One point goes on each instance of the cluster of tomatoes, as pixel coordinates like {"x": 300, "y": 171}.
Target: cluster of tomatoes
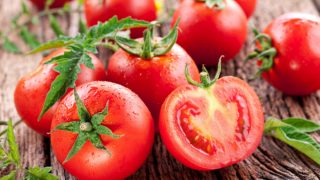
{"x": 205, "y": 124}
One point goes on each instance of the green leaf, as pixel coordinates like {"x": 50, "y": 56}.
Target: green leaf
{"x": 14, "y": 154}
{"x": 4, "y": 161}
{"x": 55, "y": 26}
{"x": 68, "y": 65}
{"x": 58, "y": 43}
{"x": 168, "y": 41}
{"x": 302, "y": 125}
{"x": 82, "y": 26}
{"x": 80, "y": 141}
{"x": 69, "y": 126}
{"x": 295, "y": 138}
{"x": 37, "y": 173}
{"x": 83, "y": 113}
{"x": 29, "y": 38}
{"x": 10, "y": 176}
{"x": 99, "y": 117}
{"x": 10, "y": 46}
{"x": 24, "y": 7}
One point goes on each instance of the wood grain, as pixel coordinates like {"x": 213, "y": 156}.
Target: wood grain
{"x": 272, "y": 160}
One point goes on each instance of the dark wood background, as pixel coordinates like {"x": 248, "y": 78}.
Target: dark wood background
{"x": 272, "y": 160}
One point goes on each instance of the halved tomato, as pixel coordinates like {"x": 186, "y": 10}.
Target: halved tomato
{"x": 212, "y": 125}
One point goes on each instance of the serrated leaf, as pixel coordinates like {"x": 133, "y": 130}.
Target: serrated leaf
{"x": 58, "y": 43}
{"x": 68, "y": 65}
{"x": 14, "y": 154}
{"x": 82, "y": 26}
{"x": 99, "y": 117}
{"x": 295, "y": 138}
{"x": 80, "y": 141}
{"x": 10, "y": 46}
{"x": 55, "y": 26}
{"x": 29, "y": 38}
{"x": 83, "y": 113}
{"x": 10, "y": 176}
{"x": 302, "y": 125}
{"x": 37, "y": 173}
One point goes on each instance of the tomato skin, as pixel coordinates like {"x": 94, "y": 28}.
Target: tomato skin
{"x": 221, "y": 95}
{"x": 127, "y": 115}
{"x": 296, "y": 65}
{"x": 137, "y": 9}
{"x": 153, "y": 80}
{"x": 206, "y": 33}
{"x": 31, "y": 91}
{"x": 40, "y": 4}
{"x": 248, "y": 6}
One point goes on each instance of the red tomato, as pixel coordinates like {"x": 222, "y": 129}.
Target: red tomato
{"x": 211, "y": 128}
{"x": 127, "y": 116}
{"x": 248, "y": 6}
{"x": 296, "y": 38}
{"x": 207, "y": 33}
{"x": 40, "y": 4}
{"x": 102, "y": 10}
{"x": 31, "y": 91}
{"x": 153, "y": 79}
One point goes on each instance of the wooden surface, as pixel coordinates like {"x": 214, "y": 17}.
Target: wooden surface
{"x": 272, "y": 160}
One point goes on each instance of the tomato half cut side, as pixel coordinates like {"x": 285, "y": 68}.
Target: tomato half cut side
{"x": 211, "y": 128}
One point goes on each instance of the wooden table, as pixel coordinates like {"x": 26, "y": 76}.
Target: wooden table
{"x": 272, "y": 160}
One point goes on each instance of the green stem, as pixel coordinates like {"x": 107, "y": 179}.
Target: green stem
{"x": 14, "y": 125}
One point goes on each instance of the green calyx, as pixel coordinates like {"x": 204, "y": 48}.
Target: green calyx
{"x": 88, "y": 128}
{"x": 150, "y": 47}
{"x": 265, "y": 53}
{"x": 217, "y": 4}
{"x": 205, "y": 79}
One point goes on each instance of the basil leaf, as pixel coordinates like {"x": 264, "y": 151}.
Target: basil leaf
{"x": 14, "y": 154}
{"x": 302, "y": 124}
{"x": 294, "y": 137}
{"x": 37, "y": 173}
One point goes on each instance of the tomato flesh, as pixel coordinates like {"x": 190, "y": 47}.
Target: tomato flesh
{"x": 212, "y": 128}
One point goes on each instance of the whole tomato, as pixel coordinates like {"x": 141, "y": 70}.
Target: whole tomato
{"x": 213, "y": 124}
{"x": 288, "y": 55}
{"x": 248, "y": 6}
{"x": 101, "y": 10}
{"x": 207, "y": 33}
{"x": 40, "y": 4}
{"x": 153, "y": 78}
{"x": 31, "y": 91}
{"x": 108, "y": 157}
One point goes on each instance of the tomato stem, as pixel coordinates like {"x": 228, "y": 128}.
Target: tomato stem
{"x": 265, "y": 53}
{"x": 205, "y": 79}
{"x": 149, "y": 48}
{"x": 86, "y": 126}
{"x": 217, "y": 4}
